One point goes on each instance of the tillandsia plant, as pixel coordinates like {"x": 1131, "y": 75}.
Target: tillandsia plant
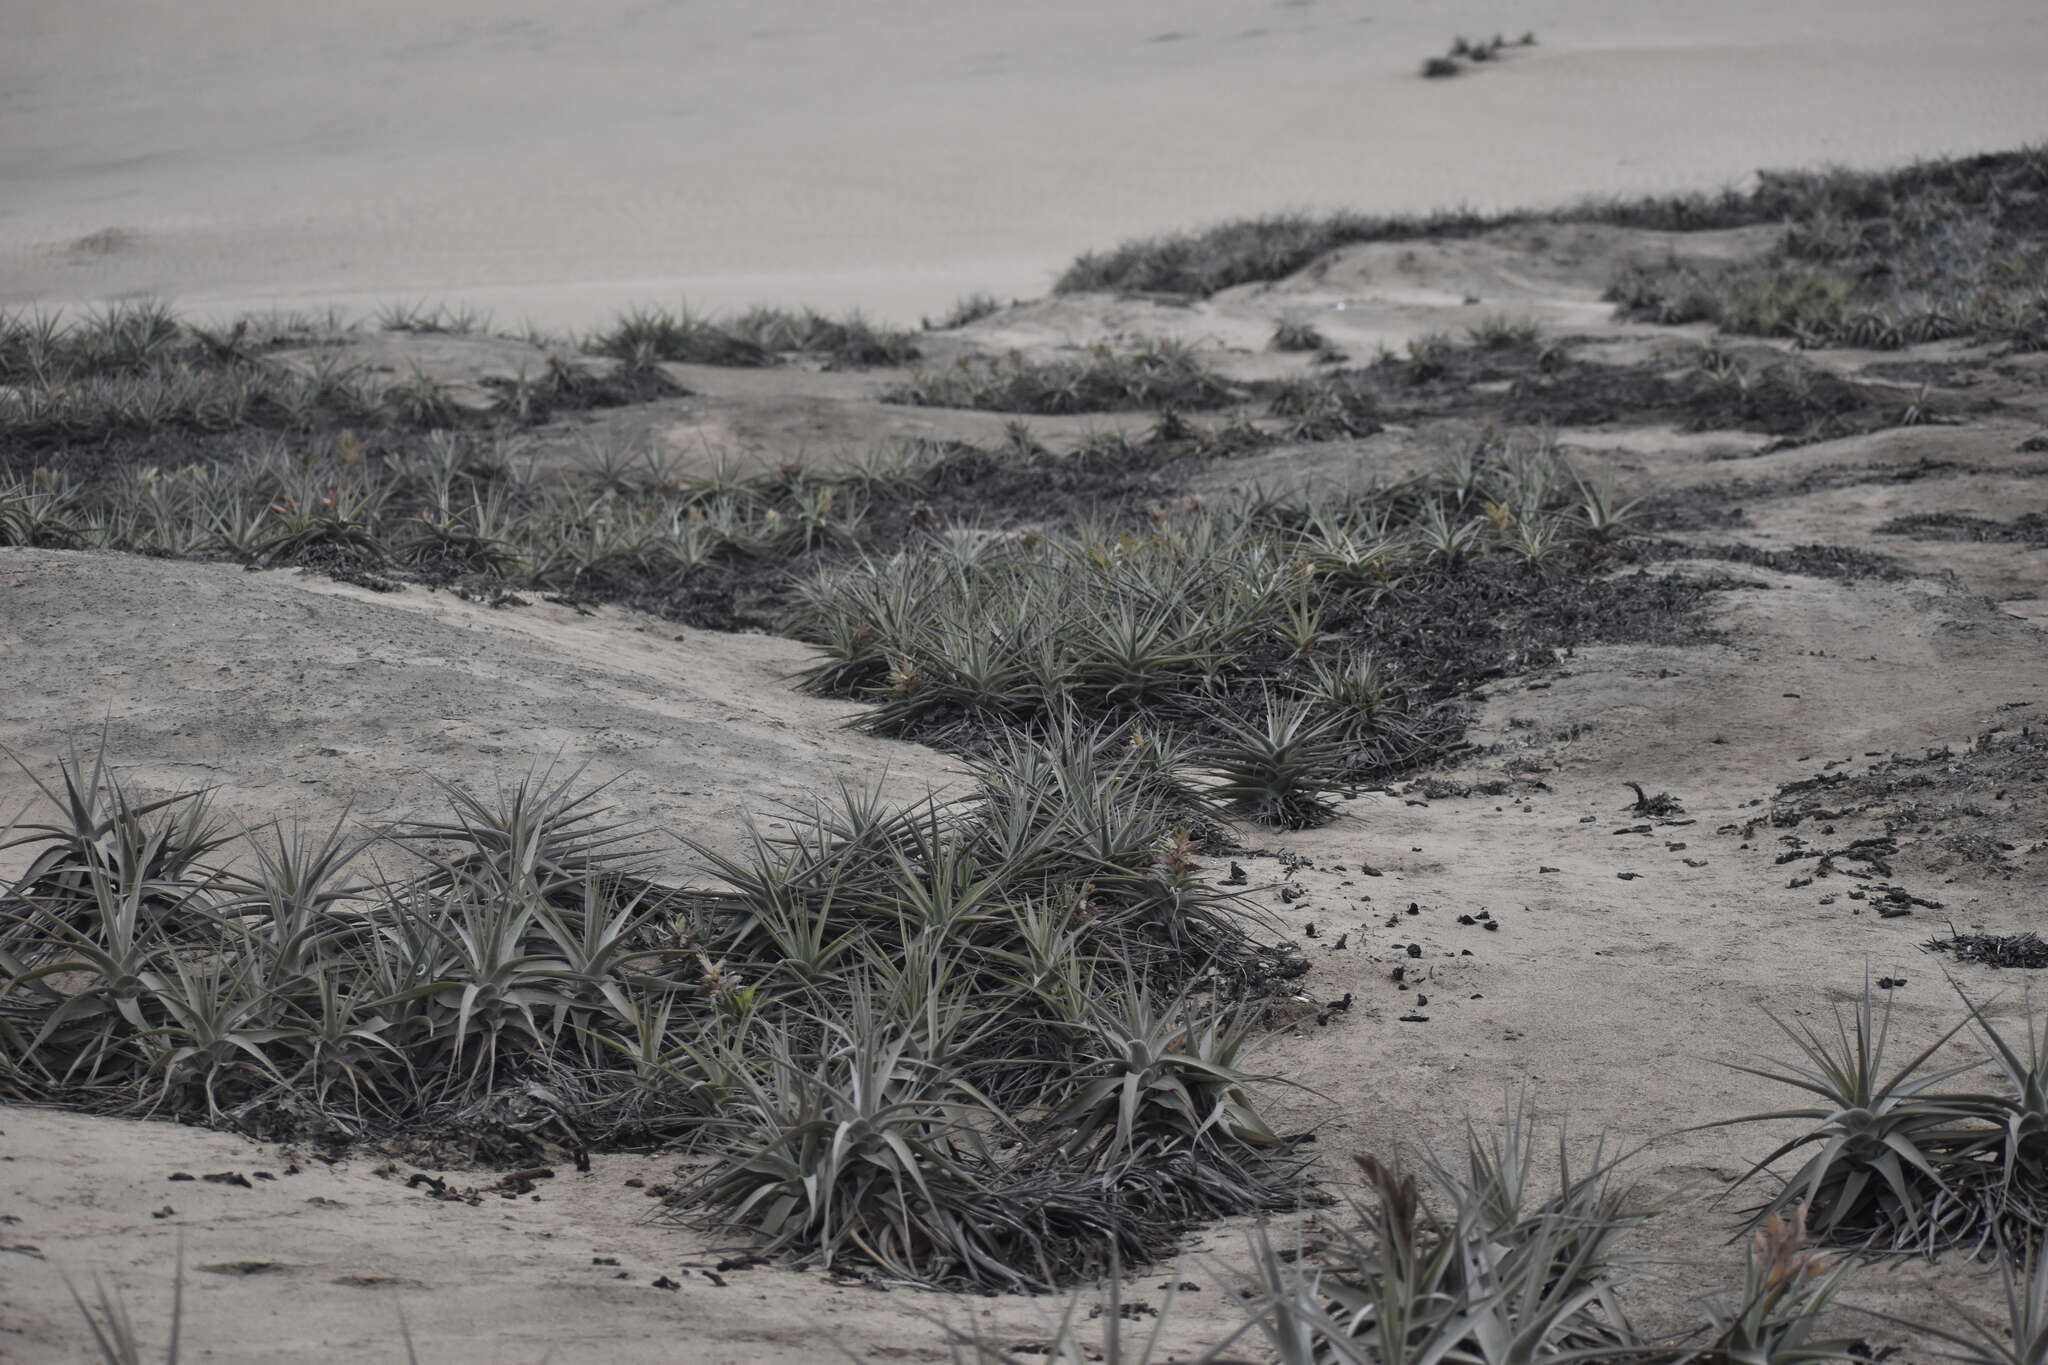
{"x": 541, "y": 832}
{"x": 1280, "y": 767}
{"x": 1505, "y": 1274}
{"x": 1882, "y": 1134}
{"x": 1502, "y": 1275}
{"x": 515, "y": 965}
{"x": 1157, "y": 1072}
{"x": 156, "y": 849}
{"x": 874, "y": 1155}
{"x": 1471, "y": 1263}
{"x": 1902, "y": 1162}
{"x": 1787, "y": 1284}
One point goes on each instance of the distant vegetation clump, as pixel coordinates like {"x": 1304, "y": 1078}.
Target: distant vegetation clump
{"x": 1943, "y": 248}
{"x": 1148, "y": 376}
{"x": 756, "y": 337}
{"x": 1879, "y": 260}
{"x": 1298, "y": 336}
{"x": 1468, "y": 50}
{"x": 966, "y": 310}
{"x": 134, "y": 371}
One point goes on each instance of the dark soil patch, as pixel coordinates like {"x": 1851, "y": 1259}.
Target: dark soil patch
{"x": 2030, "y": 528}
{"x": 1718, "y": 506}
{"x": 1979, "y": 811}
{"x": 1449, "y": 630}
{"x": 1940, "y": 374}
{"x": 1841, "y": 563}
{"x": 2024, "y": 951}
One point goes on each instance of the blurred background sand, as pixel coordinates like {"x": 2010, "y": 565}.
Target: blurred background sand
{"x": 555, "y": 162}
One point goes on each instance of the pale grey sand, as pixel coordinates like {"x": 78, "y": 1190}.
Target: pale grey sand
{"x": 559, "y": 162}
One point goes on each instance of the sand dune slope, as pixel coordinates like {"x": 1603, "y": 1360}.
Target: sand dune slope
{"x": 299, "y": 695}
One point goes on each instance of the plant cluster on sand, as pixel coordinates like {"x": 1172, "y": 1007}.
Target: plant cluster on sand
{"x": 981, "y": 1043}
{"x": 1466, "y": 50}
{"x": 1940, "y": 248}
{"x": 134, "y": 371}
{"x": 1150, "y": 375}
{"x": 1879, "y": 260}
{"x": 1264, "y": 646}
{"x": 1902, "y": 1163}
{"x": 758, "y": 336}
{"x": 449, "y": 510}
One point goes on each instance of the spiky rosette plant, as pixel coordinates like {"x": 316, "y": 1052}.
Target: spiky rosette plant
{"x": 1155, "y": 1071}
{"x": 541, "y": 831}
{"x": 1885, "y": 1143}
{"x": 158, "y": 849}
{"x": 1279, "y": 767}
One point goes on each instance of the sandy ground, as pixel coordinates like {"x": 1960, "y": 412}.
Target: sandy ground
{"x": 1614, "y": 1000}
{"x": 559, "y": 163}
{"x": 298, "y": 696}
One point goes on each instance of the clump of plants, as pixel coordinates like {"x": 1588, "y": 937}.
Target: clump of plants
{"x": 134, "y": 373}
{"x": 967, "y": 310}
{"x": 1877, "y": 260}
{"x": 1898, "y": 1158}
{"x": 1287, "y": 649}
{"x": 1467, "y": 50}
{"x": 1245, "y": 251}
{"x": 1785, "y": 396}
{"x": 848, "y": 342}
{"x": 1472, "y": 1259}
{"x": 1943, "y": 247}
{"x": 1153, "y": 374}
{"x": 440, "y": 319}
{"x": 1501, "y": 333}
{"x": 448, "y": 511}
{"x": 1298, "y": 336}
{"x": 984, "y": 1043}
{"x": 1331, "y": 407}
{"x": 759, "y": 336}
